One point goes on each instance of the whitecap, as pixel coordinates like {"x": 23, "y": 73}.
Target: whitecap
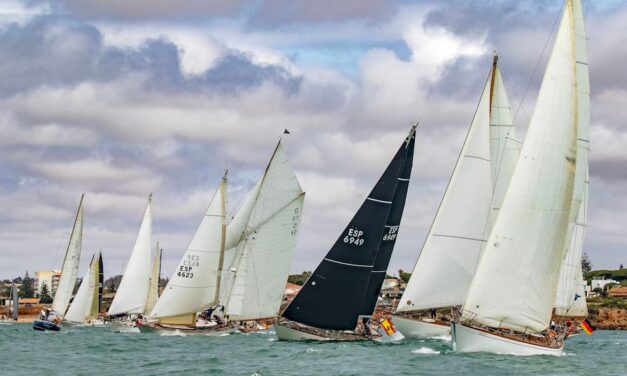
{"x": 446, "y": 338}
{"x": 311, "y": 350}
{"x": 425, "y": 351}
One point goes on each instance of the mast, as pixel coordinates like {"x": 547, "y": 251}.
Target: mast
{"x": 222, "y": 234}
{"x": 390, "y": 234}
{"x": 331, "y": 298}
{"x": 69, "y": 271}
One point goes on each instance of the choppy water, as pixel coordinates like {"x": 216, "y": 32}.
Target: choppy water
{"x": 97, "y": 351}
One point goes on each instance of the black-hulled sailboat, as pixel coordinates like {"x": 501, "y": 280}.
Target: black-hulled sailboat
{"x": 347, "y": 282}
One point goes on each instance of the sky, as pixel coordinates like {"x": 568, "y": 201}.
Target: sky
{"x": 117, "y": 99}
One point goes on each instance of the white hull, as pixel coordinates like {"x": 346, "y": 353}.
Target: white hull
{"x": 467, "y": 339}
{"x": 419, "y": 329}
{"x": 289, "y": 334}
{"x": 123, "y": 327}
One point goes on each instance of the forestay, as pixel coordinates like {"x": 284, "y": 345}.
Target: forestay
{"x": 265, "y": 251}
{"x": 194, "y": 284}
{"x": 516, "y": 280}
{"x": 69, "y": 271}
{"x": 132, "y": 292}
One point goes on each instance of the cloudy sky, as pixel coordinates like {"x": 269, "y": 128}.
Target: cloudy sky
{"x": 120, "y": 98}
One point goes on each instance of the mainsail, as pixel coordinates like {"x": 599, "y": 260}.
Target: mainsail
{"x": 331, "y": 298}
{"x": 153, "y": 287}
{"x": 86, "y": 301}
{"x": 263, "y": 256}
{"x": 69, "y": 271}
{"x": 516, "y": 280}
{"x": 449, "y": 256}
{"x": 390, "y": 234}
{"x": 132, "y": 292}
{"x": 194, "y": 285}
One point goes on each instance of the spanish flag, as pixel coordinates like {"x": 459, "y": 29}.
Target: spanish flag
{"x": 587, "y": 327}
{"x": 388, "y": 327}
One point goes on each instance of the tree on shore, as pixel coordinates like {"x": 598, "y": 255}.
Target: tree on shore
{"x": 298, "y": 279}
{"x": 27, "y": 290}
{"x": 404, "y": 275}
{"x": 45, "y": 294}
{"x": 586, "y": 264}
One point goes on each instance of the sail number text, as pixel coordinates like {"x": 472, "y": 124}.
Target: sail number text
{"x": 390, "y": 234}
{"x": 187, "y": 265}
{"x": 354, "y": 237}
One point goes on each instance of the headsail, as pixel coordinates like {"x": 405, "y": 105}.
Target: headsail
{"x": 194, "y": 285}
{"x": 331, "y": 298}
{"x": 155, "y": 275}
{"x": 81, "y": 307}
{"x": 133, "y": 289}
{"x": 449, "y": 256}
{"x": 264, "y": 253}
{"x": 515, "y": 283}
{"x": 69, "y": 271}
{"x": 392, "y": 226}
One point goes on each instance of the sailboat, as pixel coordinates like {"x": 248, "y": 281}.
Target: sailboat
{"x": 14, "y": 300}
{"x": 85, "y": 308}
{"x": 472, "y": 199}
{"x": 69, "y": 271}
{"x": 510, "y": 301}
{"x": 347, "y": 283}
{"x": 130, "y": 298}
{"x": 237, "y": 270}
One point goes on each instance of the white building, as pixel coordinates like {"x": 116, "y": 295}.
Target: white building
{"x": 48, "y": 277}
{"x": 601, "y": 282}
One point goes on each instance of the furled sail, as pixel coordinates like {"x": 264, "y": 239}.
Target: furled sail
{"x": 388, "y": 240}
{"x": 265, "y": 251}
{"x": 133, "y": 290}
{"x": 82, "y": 305}
{"x": 331, "y": 298}
{"x": 153, "y": 287}
{"x": 15, "y": 302}
{"x": 69, "y": 271}
{"x": 515, "y": 283}
{"x": 98, "y": 274}
{"x": 194, "y": 285}
{"x": 449, "y": 256}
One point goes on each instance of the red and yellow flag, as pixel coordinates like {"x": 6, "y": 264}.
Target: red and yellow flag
{"x": 388, "y": 327}
{"x": 586, "y": 326}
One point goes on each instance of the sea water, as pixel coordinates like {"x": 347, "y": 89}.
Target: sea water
{"x": 98, "y": 351}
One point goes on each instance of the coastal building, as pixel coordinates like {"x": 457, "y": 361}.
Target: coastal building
{"x": 48, "y": 277}
{"x": 618, "y": 292}
{"x": 601, "y": 282}
{"x": 290, "y": 291}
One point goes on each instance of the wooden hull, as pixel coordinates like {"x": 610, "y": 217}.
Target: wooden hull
{"x": 411, "y": 328}
{"x": 155, "y": 328}
{"x": 468, "y": 339}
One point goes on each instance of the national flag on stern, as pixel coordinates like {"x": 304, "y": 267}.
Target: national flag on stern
{"x": 587, "y": 326}
{"x": 388, "y": 327}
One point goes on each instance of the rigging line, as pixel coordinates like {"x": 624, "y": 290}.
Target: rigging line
{"x": 535, "y": 69}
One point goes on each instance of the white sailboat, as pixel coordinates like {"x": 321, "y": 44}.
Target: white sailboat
{"x": 69, "y": 271}
{"x": 130, "y": 298}
{"x": 248, "y": 275}
{"x": 510, "y": 300}
{"x": 85, "y": 307}
{"x": 472, "y": 200}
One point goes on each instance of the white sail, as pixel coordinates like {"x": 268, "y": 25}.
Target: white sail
{"x": 265, "y": 251}
{"x": 571, "y": 275}
{"x": 133, "y": 290}
{"x": 579, "y": 307}
{"x": 516, "y": 281}
{"x": 80, "y": 309}
{"x": 451, "y": 251}
{"x": 69, "y": 271}
{"x": 153, "y": 286}
{"x": 194, "y": 285}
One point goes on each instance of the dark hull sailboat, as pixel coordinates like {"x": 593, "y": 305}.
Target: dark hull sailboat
{"x": 347, "y": 282}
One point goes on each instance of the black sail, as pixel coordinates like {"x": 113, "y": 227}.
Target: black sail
{"x": 100, "y": 281}
{"x": 390, "y": 233}
{"x": 331, "y": 298}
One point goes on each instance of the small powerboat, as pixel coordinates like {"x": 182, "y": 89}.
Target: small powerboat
{"x": 43, "y": 325}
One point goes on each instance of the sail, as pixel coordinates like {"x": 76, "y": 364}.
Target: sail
{"x": 98, "y": 277}
{"x": 265, "y": 251}
{"x": 15, "y": 302}
{"x": 133, "y": 289}
{"x": 571, "y": 275}
{"x": 81, "y": 305}
{"x": 579, "y": 307}
{"x": 390, "y": 233}
{"x": 69, "y": 271}
{"x": 504, "y": 148}
{"x": 153, "y": 289}
{"x": 449, "y": 256}
{"x": 194, "y": 284}
{"x": 515, "y": 283}
{"x": 331, "y": 298}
